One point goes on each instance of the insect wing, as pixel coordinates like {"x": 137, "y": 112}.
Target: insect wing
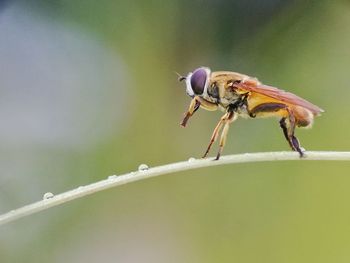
{"x": 279, "y": 94}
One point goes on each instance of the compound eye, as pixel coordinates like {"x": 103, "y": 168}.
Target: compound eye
{"x": 198, "y": 79}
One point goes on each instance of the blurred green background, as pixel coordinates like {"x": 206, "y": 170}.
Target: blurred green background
{"x": 88, "y": 89}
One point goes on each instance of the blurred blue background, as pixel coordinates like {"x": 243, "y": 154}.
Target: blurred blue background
{"x": 88, "y": 89}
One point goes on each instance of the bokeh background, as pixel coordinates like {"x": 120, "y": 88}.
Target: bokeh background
{"x": 88, "y": 89}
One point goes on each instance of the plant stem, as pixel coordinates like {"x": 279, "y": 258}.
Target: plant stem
{"x": 112, "y": 181}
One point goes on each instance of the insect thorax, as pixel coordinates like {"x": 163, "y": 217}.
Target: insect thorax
{"x": 224, "y": 97}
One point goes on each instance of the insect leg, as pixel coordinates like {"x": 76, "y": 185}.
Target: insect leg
{"x": 194, "y": 106}
{"x": 215, "y": 134}
{"x": 294, "y": 140}
{"x": 283, "y": 125}
{"x": 227, "y": 121}
{"x": 197, "y": 102}
{"x": 207, "y": 105}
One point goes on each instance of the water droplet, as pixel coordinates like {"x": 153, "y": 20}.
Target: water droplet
{"x": 112, "y": 177}
{"x": 191, "y": 159}
{"x": 143, "y": 167}
{"x": 48, "y": 195}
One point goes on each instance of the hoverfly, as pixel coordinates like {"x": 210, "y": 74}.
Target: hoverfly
{"x": 240, "y": 95}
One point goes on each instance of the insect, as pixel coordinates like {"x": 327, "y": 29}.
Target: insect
{"x": 241, "y": 95}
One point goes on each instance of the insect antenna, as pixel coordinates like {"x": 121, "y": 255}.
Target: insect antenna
{"x": 180, "y": 77}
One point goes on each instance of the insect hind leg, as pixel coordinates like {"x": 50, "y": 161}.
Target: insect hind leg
{"x": 288, "y": 131}
{"x": 284, "y": 128}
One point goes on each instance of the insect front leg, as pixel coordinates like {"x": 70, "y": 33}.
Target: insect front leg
{"x": 197, "y": 102}
{"x": 207, "y": 105}
{"x": 194, "y": 106}
{"x": 230, "y": 118}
